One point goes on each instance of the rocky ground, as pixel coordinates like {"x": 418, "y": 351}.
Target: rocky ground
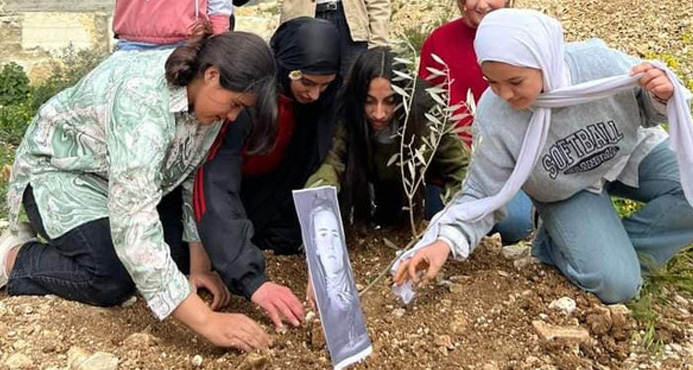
{"x": 499, "y": 310}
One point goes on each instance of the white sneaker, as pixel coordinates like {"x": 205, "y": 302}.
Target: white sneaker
{"x": 10, "y": 239}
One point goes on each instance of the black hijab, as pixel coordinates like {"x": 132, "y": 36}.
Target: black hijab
{"x": 310, "y": 46}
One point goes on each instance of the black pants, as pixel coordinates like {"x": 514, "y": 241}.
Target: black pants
{"x": 81, "y": 264}
{"x": 349, "y": 49}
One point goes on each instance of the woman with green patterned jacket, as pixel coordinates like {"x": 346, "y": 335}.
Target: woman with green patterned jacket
{"x": 99, "y": 157}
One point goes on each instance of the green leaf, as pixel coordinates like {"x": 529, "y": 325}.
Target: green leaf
{"x": 436, "y": 72}
{"x": 399, "y": 91}
{"x": 402, "y": 75}
{"x": 392, "y": 159}
{"x": 438, "y": 59}
{"x": 433, "y": 119}
{"x": 436, "y": 98}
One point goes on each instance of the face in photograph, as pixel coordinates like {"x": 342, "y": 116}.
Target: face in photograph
{"x": 328, "y": 242}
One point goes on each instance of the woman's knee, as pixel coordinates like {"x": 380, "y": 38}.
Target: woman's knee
{"x": 111, "y": 289}
{"x": 611, "y": 287}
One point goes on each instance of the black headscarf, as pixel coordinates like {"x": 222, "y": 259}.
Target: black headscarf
{"x": 310, "y": 46}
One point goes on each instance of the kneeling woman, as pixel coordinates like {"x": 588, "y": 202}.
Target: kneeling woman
{"x": 97, "y": 160}
{"x": 366, "y": 140}
{"x": 595, "y": 137}
{"x": 243, "y": 199}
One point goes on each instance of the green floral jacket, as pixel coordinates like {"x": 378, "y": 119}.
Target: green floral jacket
{"x": 112, "y": 146}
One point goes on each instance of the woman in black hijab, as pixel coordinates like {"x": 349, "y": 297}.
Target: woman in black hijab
{"x": 243, "y": 201}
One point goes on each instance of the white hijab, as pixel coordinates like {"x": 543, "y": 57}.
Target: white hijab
{"x": 527, "y": 38}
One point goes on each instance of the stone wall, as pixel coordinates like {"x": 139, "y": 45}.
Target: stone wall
{"x": 33, "y": 30}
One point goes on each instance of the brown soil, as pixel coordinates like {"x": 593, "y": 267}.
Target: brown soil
{"x": 479, "y": 315}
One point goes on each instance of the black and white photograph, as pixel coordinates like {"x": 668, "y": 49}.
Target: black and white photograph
{"x": 336, "y": 295}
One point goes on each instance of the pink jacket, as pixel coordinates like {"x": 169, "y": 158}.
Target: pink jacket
{"x": 167, "y": 22}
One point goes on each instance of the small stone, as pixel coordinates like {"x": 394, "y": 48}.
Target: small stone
{"x": 549, "y": 332}
{"x": 620, "y": 316}
{"x": 599, "y": 320}
{"x": 310, "y": 316}
{"x": 317, "y": 337}
{"x": 19, "y": 345}
{"x": 503, "y": 273}
{"x": 456, "y": 288}
{"x": 490, "y": 366}
{"x": 140, "y": 340}
{"x": 459, "y": 323}
{"x": 129, "y": 302}
{"x": 516, "y": 251}
{"x": 254, "y": 361}
{"x": 19, "y": 361}
{"x": 359, "y": 287}
{"x": 197, "y": 361}
{"x": 100, "y": 361}
{"x": 524, "y": 262}
{"x": 399, "y": 312}
{"x": 566, "y": 305}
{"x": 443, "y": 341}
{"x": 680, "y": 300}
{"x": 75, "y": 356}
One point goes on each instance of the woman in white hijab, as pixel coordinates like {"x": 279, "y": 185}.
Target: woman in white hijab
{"x": 570, "y": 124}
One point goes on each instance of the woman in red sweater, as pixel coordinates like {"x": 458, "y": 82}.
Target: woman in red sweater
{"x": 453, "y": 42}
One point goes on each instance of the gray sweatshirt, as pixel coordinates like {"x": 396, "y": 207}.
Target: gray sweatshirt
{"x": 587, "y": 145}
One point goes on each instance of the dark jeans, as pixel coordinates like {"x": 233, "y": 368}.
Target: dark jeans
{"x": 81, "y": 264}
{"x": 350, "y": 49}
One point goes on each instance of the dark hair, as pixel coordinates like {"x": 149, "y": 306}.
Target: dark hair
{"x": 371, "y": 64}
{"x": 246, "y": 65}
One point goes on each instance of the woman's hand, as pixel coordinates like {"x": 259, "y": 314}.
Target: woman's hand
{"x": 222, "y": 329}
{"x": 211, "y": 281}
{"x": 428, "y": 259}
{"x": 654, "y": 81}
{"x": 202, "y": 276}
{"x": 279, "y": 301}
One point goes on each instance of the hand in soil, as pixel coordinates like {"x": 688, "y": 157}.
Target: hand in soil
{"x": 211, "y": 281}
{"x": 235, "y": 330}
{"x": 428, "y": 260}
{"x": 654, "y": 81}
{"x": 279, "y": 302}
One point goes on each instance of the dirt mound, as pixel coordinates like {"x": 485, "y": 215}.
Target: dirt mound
{"x": 490, "y": 312}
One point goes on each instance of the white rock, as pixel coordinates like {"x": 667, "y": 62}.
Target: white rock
{"x": 550, "y": 332}
{"x": 524, "y": 262}
{"x": 516, "y": 251}
{"x": 310, "y": 316}
{"x": 564, "y": 304}
{"x": 75, "y": 356}
{"x": 129, "y": 302}
{"x": 100, "y": 361}
{"x": 19, "y": 361}
{"x": 399, "y": 312}
{"x": 197, "y": 361}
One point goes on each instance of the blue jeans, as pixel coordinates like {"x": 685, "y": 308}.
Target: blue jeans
{"x": 515, "y": 227}
{"x": 81, "y": 264}
{"x": 596, "y": 250}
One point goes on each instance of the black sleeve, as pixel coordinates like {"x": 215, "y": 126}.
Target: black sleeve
{"x": 224, "y": 228}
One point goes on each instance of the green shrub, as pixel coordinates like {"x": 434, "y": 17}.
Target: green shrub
{"x": 14, "y": 120}
{"x": 14, "y": 84}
